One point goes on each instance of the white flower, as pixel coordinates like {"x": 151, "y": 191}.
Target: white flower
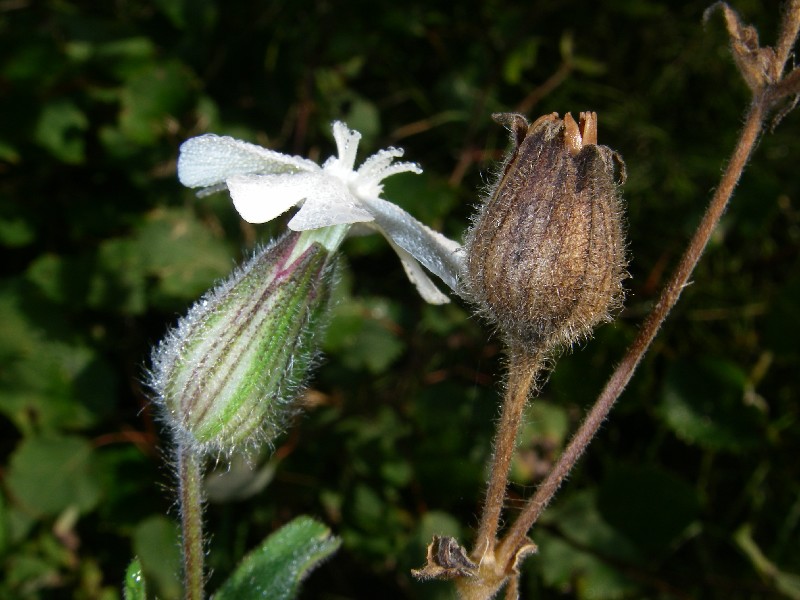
{"x": 264, "y": 184}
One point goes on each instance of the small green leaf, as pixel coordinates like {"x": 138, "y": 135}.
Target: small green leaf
{"x": 60, "y": 130}
{"x": 25, "y": 569}
{"x": 124, "y": 56}
{"x": 520, "y": 60}
{"x": 156, "y": 544}
{"x": 47, "y": 384}
{"x": 566, "y": 46}
{"x": 413, "y": 193}
{"x": 362, "y": 333}
{"x": 276, "y": 569}
{"x": 47, "y": 475}
{"x": 582, "y": 558}
{"x": 543, "y": 432}
{"x": 118, "y": 280}
{"x": 183, "y": 254}
{"x": 368, "y": 508}
{"x": 650, "y": 506}
{"x": 64, "y": 279}
{"x": 151, "y": 98}
{"x": 15, "y": 232}
{"x": 175, "y": 11}
{"x": 134, "y": 586}
{"x": 577, "y": 573}
{"x": 363, "y": 116}
{"x": 436, "y": 522}
{"x": 703, "y": 403}
{"x": 580, "y": 522}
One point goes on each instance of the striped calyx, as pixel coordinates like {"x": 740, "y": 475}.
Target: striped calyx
{"x": 227, "y": 377}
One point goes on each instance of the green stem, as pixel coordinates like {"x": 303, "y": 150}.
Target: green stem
{"x": 191, "y": 505}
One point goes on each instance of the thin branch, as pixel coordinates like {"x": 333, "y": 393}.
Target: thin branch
{"x": 623, "y": 373}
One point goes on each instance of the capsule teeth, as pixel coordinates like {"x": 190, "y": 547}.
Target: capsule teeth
{"x": 546, "y": 252}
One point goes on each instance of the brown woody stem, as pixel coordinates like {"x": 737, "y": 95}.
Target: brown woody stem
{"x": 788, "y": 35}
{"x": 522, "y": 371}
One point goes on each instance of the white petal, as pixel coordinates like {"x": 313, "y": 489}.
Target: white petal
{"x": 329, "y": 203}
{"x": 379, "y": 161}
{"x": 426, "y": 288}
{"x": 439, "y": 254}
{"x": 210, "y": 159}
{"x": 261, "y": 198}
{"x": 346, "y": 144}
{"x": 379, "y": 166}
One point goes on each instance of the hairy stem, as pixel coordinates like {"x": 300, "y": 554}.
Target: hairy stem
{"x": 788, "y": 35}
{"x": 622, "y": 374}
{"x": 191, "y": 505}
{"x": 522, "y": 371}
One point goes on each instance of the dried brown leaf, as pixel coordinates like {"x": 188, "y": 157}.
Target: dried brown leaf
{"x": 446, "y": 559}
{"x": 756, "y": 64}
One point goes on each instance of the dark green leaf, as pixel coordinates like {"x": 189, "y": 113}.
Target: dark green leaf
{"x": 47, "y": 382}
{"x": 651, "y": 507}
{"x": 151, "y": 98}
{"x": 275, "y": 570}
{"x": 703, "y": 402}
{"x": 362, "y": 332}
{"x": 14, "y": 231}
{"x": 60, "y": 130}
{"x": 586, "y": 553}
{"x": 183, "y": 254}
{"x": 156, "y": 544}
{"x": 48, "y": 475}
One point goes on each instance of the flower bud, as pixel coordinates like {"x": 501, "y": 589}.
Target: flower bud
{"x": 546, "y": 253}
{"x": 228, "y": 376}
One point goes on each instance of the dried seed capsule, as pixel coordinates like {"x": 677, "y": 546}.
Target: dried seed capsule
{"x": 546, "y": 253}
{"x": 228, "y": 376}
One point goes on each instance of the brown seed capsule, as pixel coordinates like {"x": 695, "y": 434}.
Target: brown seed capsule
{"x": 546, "y": 253}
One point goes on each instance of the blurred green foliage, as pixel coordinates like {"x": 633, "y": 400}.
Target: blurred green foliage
{"x": 692, "y": 490}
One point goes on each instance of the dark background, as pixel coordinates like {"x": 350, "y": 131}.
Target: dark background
{"x": 691, "y": 489}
